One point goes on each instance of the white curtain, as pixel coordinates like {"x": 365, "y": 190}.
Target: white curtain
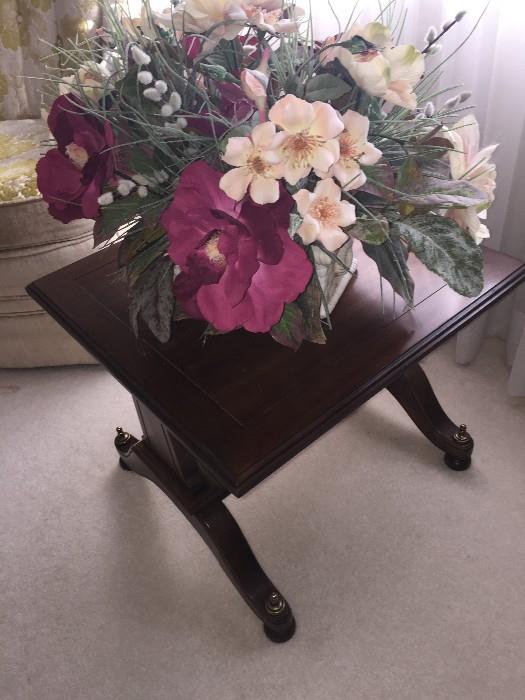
{"x": 492, "y": 65}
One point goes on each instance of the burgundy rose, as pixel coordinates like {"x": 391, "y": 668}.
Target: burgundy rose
{"x": 192, "y": 45}
{"x": 72, "y": 175}
{"x": 233, "y": 105}
{"x": 239, "y": 265}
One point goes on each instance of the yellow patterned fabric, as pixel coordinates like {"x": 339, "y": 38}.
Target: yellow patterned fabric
{"x": 22, "y": 142}
{"x": 25, "y": 26}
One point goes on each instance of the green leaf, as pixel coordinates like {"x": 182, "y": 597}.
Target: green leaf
{"x": 290, "y": 329}
{"x": 390, "y": 258}
{"x": 147, "y": 255}
{"x": 357, "y": 44}
{"x": 373, "y": 231}
{"x": 114, "y": 216}
{"x": 380, "y": 180}
{"x": 325, "y": 87}
{"x": 139, "y": 237}
{"x": 421, "y": 189}
{"x": 408, "y": 174}
{"x": 310, "y": 304}
{"x": 446, "y": 250}
{"x": 294, "y": 86}
{"x": 227, "y": 54}
{"x": 217, "y": 72}
{"x": 180, "y": 315}
{"x": 152, "y": 300}
{"x": 125, "y": 211}
{"x": 137, "y": 160}
{"x": 433, "y": 149}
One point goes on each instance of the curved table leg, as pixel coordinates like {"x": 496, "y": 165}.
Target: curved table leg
{"x": 219, "y": 529}
{"x": 415, "y": 394}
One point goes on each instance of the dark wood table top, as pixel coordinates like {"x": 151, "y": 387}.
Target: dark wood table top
{"x": 241, "y": 403}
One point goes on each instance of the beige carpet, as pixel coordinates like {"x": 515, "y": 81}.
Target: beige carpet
{"x": 407, "y": 579}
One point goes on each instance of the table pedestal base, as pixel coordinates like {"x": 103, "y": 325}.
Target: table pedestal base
{"x": 215, "y": 524}
{"x": 160, "y": 458}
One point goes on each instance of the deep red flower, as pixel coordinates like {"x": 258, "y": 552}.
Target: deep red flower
{"x": 72, "y": 175}
{"x": 232, "y": 104}
{"x": 192, "y": 45}
{"x": 239, "y": 265}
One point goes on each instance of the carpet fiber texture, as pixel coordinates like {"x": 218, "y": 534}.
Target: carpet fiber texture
{"x": 407, "y": 579}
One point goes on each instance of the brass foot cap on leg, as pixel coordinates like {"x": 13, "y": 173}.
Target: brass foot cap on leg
{"x": 462, "y": 434}
{"x": 122, "y": 438}
{"x": 275, "y": 604}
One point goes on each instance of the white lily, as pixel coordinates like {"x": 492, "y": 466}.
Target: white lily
{"x": 468, "y": 162}
{"x": 470, "y": 221}
{"x": 386, "y": 71}
{"x": 198, "y": 16}
{"x": 147, "y": 22}
{"x": 267, "y": 16}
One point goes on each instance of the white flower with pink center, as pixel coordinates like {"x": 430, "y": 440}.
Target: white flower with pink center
{"x": 324, "y": 215}
{"x": 311, "y": 131}
{"x": 354, "y": 151}
{"x": 257, "y": 165}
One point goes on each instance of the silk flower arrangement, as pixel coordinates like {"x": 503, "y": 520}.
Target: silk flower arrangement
{"x": 235, "y": 158}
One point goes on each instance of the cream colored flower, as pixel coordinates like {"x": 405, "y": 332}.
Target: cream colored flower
{"x": 468, "y": 162}
{"x": 92, "y": 79}
{"x": 148, "y": 20}
{"x": 386, "y": 71}
{"x": 310, "y": 136}
{"x": 265, "y": 16}
{"x": 470, "y": 222}
{"x": 354, "y": 151}
{"x": 407, "y": 66}
{"x": 324, "y": 214}
{"x": 257, "y": 165}
{"x": 198, "y": 16}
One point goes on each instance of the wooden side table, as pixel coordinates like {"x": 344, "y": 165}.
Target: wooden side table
{"x": 220, "y": 417}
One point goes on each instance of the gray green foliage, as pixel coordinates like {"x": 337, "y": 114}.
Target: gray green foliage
{"x": 324, "y": 88}
{"x": 152, "y": 300}
{"x": 290, "y": 329}
{"x": 373, "y": 231}
{"x": 422, "y": 188}
{"x": 391, "y": 260}
{"x": 446, "y": 250}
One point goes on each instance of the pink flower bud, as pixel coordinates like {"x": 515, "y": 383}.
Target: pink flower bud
{"x": 254, "y": 83}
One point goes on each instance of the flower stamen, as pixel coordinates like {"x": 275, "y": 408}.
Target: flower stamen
{"x": 257, "y": 164}
{"x": 299, "y": 148}
{"x": 213, "y": 252}
{"x": 325, "y": 210}
{"x": 349, "y": 148}
{"x": 77, "y": 155}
